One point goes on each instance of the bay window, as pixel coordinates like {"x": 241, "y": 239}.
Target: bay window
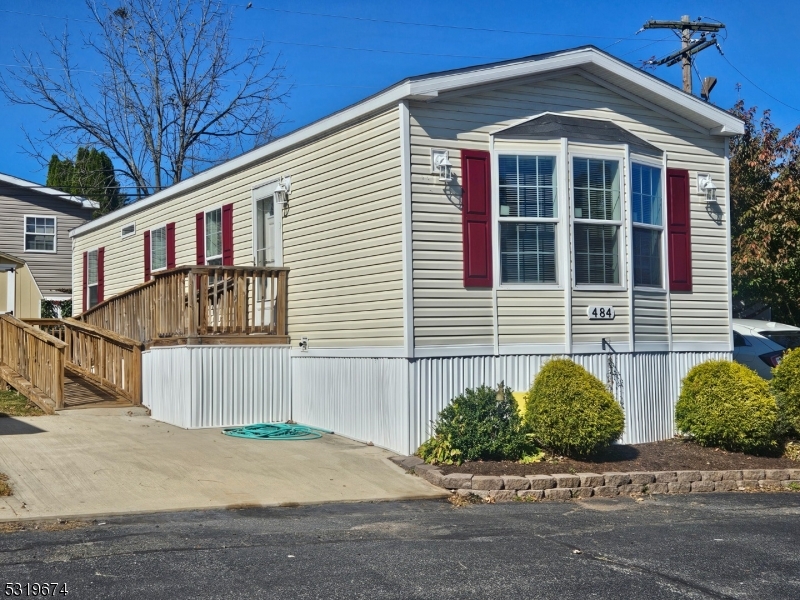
{"x": 528, "y": 218}
{"x": 647, "y": 225}
{"x": 597, "y": 216}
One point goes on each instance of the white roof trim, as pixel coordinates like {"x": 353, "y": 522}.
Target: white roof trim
{"x": 429, "y": 87}
{"x": 24, "y": 183}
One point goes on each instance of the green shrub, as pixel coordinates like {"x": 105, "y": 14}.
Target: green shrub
{"x": 785, "y": 386}
{"x": 725, "y": 404}
{"x": 480, "y": 424}
{"x": 570, "y": 412}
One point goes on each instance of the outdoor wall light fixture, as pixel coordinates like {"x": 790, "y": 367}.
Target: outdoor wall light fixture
{"x": 440, "y": 163}
{"x": 706, "y": 185}
{"x": 282, "y": 190}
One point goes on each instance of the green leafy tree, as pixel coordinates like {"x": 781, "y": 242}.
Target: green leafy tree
{"x": 90, "y": 175}
{"x": 765, "y": 220}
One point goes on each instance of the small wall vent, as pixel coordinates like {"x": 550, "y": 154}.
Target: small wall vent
{"x": 128, "y": 230}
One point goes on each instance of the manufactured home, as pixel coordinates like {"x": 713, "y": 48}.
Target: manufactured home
{"x": 456, "y": 229}
{"x": 35, "y": 249}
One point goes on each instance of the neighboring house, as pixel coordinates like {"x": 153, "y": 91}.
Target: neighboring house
{"x": 35, "y": 248}
{"x": 453, "y": 230}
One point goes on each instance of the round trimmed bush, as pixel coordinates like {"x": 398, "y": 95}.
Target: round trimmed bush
{"x": 725, "y": 404}
{"x": 785, "y": 386}
{"x": 570, "y": 412}
{"x": 480, "y": 424}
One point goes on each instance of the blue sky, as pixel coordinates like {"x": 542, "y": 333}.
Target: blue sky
{"x": 333, "y": 61}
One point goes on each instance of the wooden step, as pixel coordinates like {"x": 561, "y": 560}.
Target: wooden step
{"x": 81, "y": 393}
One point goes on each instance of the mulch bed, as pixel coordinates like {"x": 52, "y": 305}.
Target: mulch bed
{"x": 669, "y": 455}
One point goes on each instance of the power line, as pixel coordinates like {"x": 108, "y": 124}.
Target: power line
{"x": 433, "y": 25}
{"x": 754, "y": 84}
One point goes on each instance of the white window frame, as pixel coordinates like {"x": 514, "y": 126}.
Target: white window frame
{"x": 618, "y": 155}
{"x": 87, "y": 284}
{"x": 166, "y": 260}
{"x": 549, "y": 151}
{"x": 260, "y": 191}
{"x": 657, "y": 164}
{"x": 206, "y": 257}
{"x": 124, "y": 235}
{"x": 25, "y": 234}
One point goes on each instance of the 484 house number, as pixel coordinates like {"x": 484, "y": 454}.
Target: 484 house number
{"x": 600, "y": 313}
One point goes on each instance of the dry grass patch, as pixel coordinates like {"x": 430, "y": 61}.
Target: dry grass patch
{"x": 57, "y": 525}
{"x": 5, "y": 488}
{"x": 13, "y": 404}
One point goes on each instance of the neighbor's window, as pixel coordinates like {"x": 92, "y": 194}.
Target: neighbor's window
{"x": 647, "y": 225}
{"x": 158, "y": 248}
{"x": 528, "y": 218}
{"x": 265, "y": 231}
{"x": 40, "y": 234}
{"x": 598, "y": 219}
{"x": 213, "y": 223}
{"x": 91, "y": 278}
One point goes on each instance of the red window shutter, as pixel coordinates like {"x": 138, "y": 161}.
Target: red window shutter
{"x": 227, "y": 234}
{"x": 679, "y": 230}
{"x": 85, "y": 278}
{"x": 147, "y": 256}
{"x": 170, "y": 245}
{"x": 101, "y": 276}
{"x": 476, "y": 221}
{"x": 200, "y": 237}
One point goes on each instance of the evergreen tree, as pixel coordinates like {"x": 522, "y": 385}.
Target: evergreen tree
{"x": 90, "y": 175}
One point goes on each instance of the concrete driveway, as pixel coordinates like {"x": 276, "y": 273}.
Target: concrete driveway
{"x": 109, "y": 461}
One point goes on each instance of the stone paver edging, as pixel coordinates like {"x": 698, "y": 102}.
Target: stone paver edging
{"x": 564, "y": 486}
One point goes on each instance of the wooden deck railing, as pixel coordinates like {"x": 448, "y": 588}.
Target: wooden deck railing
{"x": 109, "y": 360}
{"x": 33, "y": 362}
{"x": 200, "y": 304}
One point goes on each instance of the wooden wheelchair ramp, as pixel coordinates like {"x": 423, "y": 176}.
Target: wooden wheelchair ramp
{"x": 79, "y": 392}
{"x": 63, "y": 364}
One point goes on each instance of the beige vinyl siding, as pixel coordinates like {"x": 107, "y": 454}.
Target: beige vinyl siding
{"x": 341, "y": 234}
{"x": 526, "y": 317}
{"x": 28, "y": 299}
{"x": 52, "y": 271}
{"x": 650, "y": 321}
{"x": 466, "y": 121}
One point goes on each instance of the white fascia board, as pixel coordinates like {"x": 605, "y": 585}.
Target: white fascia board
{"x": 23, "y": 183}
{"x": 392, "y": 96}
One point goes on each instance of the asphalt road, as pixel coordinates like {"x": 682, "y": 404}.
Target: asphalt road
{"x": 689, "y": 546}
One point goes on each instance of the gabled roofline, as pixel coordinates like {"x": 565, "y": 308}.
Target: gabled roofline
{"x": 428, "y": 87}
{"x": 24, "y": 183}
{"x": 11, "y": 259}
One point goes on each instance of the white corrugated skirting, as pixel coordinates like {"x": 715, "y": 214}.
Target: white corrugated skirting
{"x": 646, "y": 384}
{"x": 390, "y": 402}
{"x": 217, "y": 386}
{"x": 366, "y": 399}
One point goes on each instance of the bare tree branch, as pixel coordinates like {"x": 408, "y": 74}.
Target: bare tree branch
{"x": 171, "y": 98}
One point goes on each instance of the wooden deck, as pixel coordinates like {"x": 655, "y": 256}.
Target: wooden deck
{"x": 81, "y": 393}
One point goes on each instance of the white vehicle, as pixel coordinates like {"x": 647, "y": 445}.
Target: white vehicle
{"x": 760, "y": 345}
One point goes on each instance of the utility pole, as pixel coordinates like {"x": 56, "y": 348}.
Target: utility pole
{"x": 689, "y": 47}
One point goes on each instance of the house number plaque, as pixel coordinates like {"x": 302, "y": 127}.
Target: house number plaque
{"x": 601, "y": 313}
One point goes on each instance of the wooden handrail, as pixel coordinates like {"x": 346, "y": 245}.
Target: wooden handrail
{"x": 193, "y": 302}
{"x": 33, "y": 362}
{"x": 107, "y": 359}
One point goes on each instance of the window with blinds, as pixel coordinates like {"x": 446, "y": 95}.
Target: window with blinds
{"x": 648, "y": 225}
{"x": 528, "y": 218}
{"x": 597, "y": 219}
{"x": 213, "y": 230}
{"x": 92, "y": 278}
{"x": 158, "y": 249}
